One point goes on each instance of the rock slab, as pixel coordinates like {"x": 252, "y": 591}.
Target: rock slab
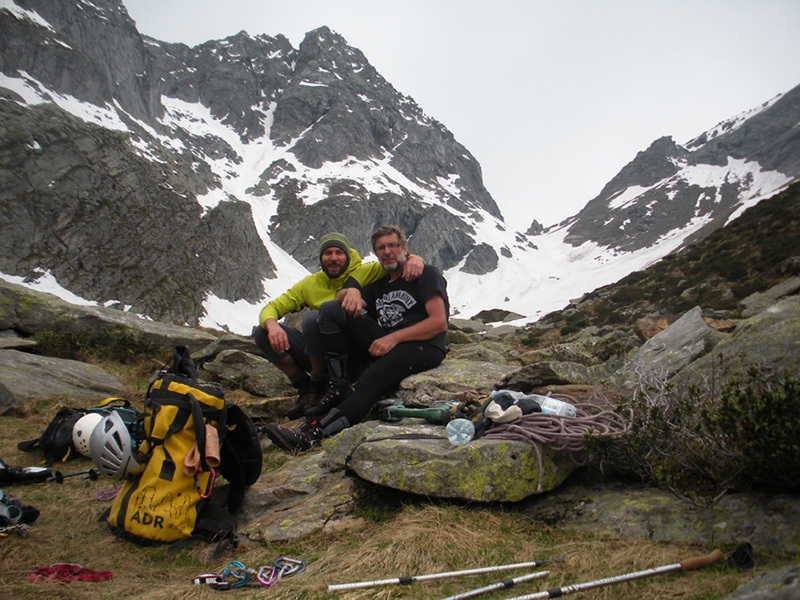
{"x": 24, "y": 376}
{"x": 414, "y": 457}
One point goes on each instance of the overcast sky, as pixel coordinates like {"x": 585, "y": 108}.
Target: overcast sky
{"x": 552, "y": 97}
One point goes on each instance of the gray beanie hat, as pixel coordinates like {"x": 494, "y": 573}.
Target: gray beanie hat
{"x": 335, "y": 240}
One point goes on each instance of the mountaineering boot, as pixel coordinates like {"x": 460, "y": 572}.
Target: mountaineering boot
{"x": 338, "y": 391}
{"x": 333, "y": 423}
{"x": 298, "y": 439}
{"x": 309, "y": 393}
{"x": 338, "y": 386}
{"x": 294, "y": 439}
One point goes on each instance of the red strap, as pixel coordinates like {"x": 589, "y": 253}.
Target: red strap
{"x": 67, "y": 572}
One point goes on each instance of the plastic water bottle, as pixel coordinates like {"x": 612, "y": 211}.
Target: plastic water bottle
{"x": 514, "y": 394}
{"x": 460, "y": 431}
{"x": 551, "y": 406}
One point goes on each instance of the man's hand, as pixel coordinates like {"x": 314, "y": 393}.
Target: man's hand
{"x": 350, "y": 299}
{"x": 277, "y": 336}
{"x": 383, "y": 345}
{"x": 413, "y": 267}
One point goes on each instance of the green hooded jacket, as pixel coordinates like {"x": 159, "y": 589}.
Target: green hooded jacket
{"x": 314, "y": 289}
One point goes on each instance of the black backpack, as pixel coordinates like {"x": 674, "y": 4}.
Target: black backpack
{"x": 56, "y": 441}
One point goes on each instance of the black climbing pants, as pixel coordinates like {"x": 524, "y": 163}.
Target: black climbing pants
{"x": 343, "y": 334}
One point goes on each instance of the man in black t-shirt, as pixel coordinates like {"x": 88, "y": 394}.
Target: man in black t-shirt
{"x": 396, "y": 327}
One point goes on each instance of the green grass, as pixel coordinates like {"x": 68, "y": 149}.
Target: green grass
{"x": 398, "y": 535}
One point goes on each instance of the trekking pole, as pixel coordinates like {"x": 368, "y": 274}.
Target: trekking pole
{"x": 406, "y": 580}
{"x": 60, "y": 477}
{"x": 505, "y": 584}
{"x": 687, "y": 565}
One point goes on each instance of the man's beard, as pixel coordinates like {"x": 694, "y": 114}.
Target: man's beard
{"x": 393, "y": 266}
{"x": 339, "y": 270}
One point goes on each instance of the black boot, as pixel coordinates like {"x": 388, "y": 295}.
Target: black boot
{"x": 309, "y": 393}
{"x": 294, "y": 439}
{"x": 333, "y": 423}
{"x": 338, "y": 386}
{"x": 338, "y": 391}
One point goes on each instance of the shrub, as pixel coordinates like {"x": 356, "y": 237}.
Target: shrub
{"x": 706, "y": 439}
{"x": 757, "y": 415}
{"x": 568, "y": 329}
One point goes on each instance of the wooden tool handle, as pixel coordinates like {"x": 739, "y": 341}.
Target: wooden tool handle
{"x": 702, "y": 561}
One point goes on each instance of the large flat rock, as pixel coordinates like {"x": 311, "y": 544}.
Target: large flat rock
{"x": 412, "y": 456}
{"x": 24, "y": 376}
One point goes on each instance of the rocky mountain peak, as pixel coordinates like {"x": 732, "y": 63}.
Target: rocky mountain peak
{"x": 179, "y": 182}
{"x": 695, "y": 188}
{"x": 246, "y": 146}
{"x": 89, "y": 50}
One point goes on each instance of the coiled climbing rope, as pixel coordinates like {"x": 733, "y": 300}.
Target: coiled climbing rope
{"x": 562, "y": 434}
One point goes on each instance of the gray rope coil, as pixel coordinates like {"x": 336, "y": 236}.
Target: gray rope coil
{"x": 562, "y": 434}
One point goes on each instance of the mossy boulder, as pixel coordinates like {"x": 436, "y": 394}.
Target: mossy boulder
{"x": 412, "y": 456}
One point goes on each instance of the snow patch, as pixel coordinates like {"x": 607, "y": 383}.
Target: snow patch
{"x": 626, "y": 196}
{"x": 23, "y": 13}
{"x": 33, "y": 92}
{"x": 47, "y": 283}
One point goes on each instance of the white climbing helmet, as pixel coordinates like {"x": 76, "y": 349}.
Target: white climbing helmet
{"x": 112, "y": 450}
{"x": 82, "y": 431}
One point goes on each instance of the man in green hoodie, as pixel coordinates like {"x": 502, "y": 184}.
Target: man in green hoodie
{"x": 299, "y": 354}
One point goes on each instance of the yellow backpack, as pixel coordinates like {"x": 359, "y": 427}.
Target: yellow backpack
{"x": 191, "y": 435}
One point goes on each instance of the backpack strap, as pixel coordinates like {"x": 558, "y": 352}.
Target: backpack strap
{"x": 182, "y": 363}
{"x": 199, "y": 427}
{"x": 241, "y": 456}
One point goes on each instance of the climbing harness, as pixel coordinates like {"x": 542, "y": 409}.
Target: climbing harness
{"x": 67, "y": 573}
{"x": 10, "y": 513}
{"x": 237, "y": 575}
{"x": 15, "y": 517}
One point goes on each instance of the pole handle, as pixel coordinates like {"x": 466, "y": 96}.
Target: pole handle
{"x": 702, "y": 561}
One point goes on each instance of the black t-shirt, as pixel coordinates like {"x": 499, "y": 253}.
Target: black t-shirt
{"x": 398, "y": 304}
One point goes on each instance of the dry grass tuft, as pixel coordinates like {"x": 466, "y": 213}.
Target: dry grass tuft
{"x": 418, "y": 537}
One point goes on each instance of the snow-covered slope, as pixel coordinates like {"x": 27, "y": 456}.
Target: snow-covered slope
{"x": 534, "y": 275}
{"x": 256, "y": 149}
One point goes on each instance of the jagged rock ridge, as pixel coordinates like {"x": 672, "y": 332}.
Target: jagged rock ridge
{"x": 207, "y": 158}
{"x": 697, "y": 187}
{"x": 160, "y": 178}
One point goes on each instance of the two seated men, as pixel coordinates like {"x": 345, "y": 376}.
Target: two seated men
{"x": 386, "y": 321}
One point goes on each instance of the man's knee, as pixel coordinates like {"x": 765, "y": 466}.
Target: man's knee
{"x": 331, "y": 310}
{"x": 332, "y": 317}
{"x": 261, "y": 340}
{"x": 309, "y": 323}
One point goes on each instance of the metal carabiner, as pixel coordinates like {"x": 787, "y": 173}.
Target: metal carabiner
{"x": 267, "y": 575}
{"x": 212, "y": 580}
{"x": 210, "y": 487}
{"x": 289, "y": 566}
{"x": 239, "y": 572}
